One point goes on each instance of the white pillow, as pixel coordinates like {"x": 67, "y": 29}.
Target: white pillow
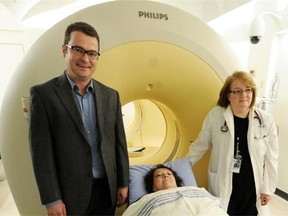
{"x": 137, "y": 189}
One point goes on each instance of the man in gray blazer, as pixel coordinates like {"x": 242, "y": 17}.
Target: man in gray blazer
{"x": 76, "y": 134}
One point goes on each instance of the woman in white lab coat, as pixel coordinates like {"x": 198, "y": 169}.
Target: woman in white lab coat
{"x": 244, "y": 144}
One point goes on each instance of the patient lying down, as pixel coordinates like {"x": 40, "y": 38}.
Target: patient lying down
{"x": 168, "y": 196}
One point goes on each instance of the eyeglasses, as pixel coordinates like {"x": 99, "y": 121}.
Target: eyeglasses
{"x": 93, "y": 55}
{"x": 240, "y": 91}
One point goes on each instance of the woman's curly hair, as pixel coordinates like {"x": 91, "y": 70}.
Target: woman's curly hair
{"x": 149, "y": 178}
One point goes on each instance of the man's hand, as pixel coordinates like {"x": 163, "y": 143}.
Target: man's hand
{"x": 57, "y": 210}
{"x": 122, "y": 195}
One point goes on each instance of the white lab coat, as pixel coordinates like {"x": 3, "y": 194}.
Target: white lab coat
{"x": 262, "y": 144}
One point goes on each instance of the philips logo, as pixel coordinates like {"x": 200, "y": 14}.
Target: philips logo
{"x": 152, "y": 15}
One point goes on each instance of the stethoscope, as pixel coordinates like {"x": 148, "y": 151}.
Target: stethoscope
{"x": 224, "y": 128}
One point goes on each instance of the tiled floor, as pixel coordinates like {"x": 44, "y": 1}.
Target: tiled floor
{"x": 7, "y": 204}
{"x": 277, "y": 207}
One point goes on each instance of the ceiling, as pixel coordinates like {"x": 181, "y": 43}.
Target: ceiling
{"x": 230, "y": 18}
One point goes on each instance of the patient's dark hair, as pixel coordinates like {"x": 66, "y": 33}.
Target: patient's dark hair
{"x": 149, "y": 178}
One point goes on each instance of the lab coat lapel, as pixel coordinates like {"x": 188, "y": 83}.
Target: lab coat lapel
{"x": 228, "y": 116}
{"x": 251, "y": 126}
{"x": 66, "y": 96}
{"x": 99, "y": 104}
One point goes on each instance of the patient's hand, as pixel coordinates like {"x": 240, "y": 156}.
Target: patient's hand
{"x": 122, "y": 195}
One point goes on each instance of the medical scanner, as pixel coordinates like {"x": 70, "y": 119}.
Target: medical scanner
{"x": 165, "y": 62}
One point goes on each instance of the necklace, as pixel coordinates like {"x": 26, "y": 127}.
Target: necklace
{"x": 240, "y": 124}
{"x": 240, "y": 129}
{"x": 237, "y": 155}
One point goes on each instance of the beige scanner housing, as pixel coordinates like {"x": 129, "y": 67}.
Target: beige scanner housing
{"x": 168, "y": 64}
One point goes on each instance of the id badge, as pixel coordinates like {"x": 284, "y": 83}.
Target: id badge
{"x": 236, "y": 164}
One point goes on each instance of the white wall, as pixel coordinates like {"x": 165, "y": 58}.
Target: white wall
{"x": 268, "y": 58}
{"x": 11, "y": 53}
{"x": 279, "y": 109}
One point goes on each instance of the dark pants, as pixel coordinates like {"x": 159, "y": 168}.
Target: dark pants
{"x": 100, "y": 201}
{"x": 244, "y": 206}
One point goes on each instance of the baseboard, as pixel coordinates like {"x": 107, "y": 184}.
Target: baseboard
{"x": 282, "y": 194}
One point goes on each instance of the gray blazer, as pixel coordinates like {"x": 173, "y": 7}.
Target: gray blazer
{"x": 61, "y": 154}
